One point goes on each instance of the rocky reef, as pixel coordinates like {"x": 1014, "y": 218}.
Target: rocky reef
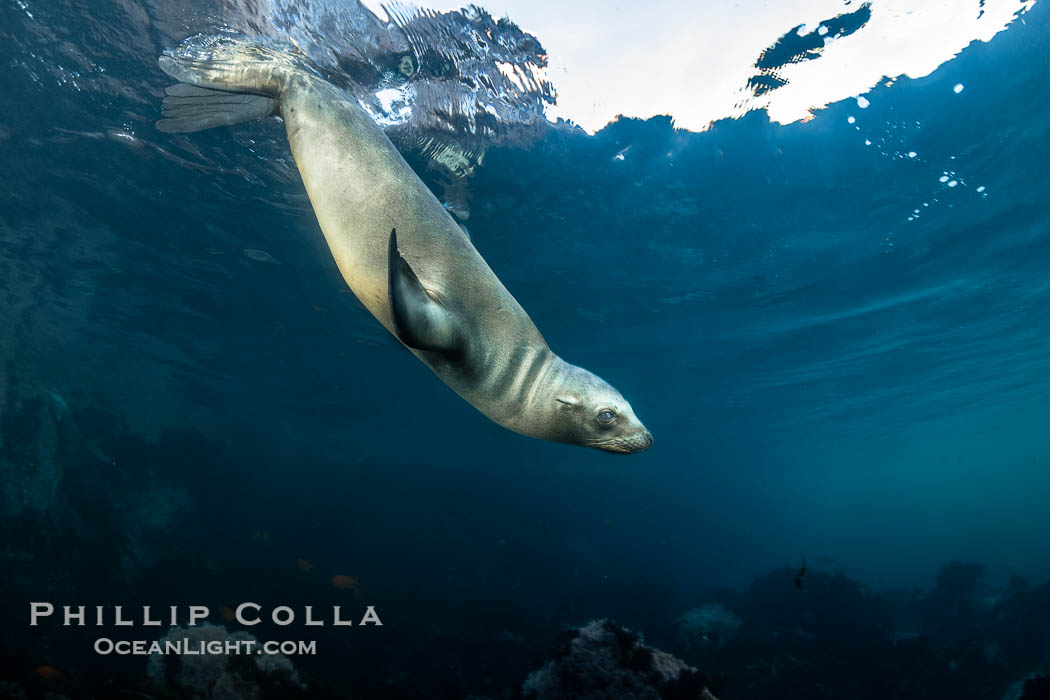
{"x": 603, "y": 661}
{"x": 222, "y": 676}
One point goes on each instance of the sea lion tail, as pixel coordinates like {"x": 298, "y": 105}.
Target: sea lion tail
{"x": 223, "y": 81}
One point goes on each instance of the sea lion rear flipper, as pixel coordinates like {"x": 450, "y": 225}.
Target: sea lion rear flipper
{"x": 222, "y": 81}
{"x": 192, "y": 108}
{"x": 421, "y": 321}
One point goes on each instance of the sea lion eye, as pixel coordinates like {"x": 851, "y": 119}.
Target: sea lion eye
{"x": 606, "y": 416}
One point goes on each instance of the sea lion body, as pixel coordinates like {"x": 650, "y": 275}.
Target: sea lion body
{"x": 451, "y": 311}
{"x": 360, "y": 188}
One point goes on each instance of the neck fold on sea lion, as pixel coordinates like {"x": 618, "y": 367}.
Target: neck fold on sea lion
{"x": 540, "y": 382}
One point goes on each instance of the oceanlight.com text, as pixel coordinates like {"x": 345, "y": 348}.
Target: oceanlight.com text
{"x": 194, "y": 647}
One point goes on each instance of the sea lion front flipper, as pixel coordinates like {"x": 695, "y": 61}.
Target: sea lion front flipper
{"x": 422, "y": 322}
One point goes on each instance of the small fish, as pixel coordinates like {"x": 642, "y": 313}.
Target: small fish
{"x": 259, "y": 256}
{"x": 800, "y": 575}
{"x": 349, "y": 583}
{"x": 304, "y": 564}
{"x": 227, "y": 613}
{"x": 341, "y": 581}
{"x": 50, "y": 673}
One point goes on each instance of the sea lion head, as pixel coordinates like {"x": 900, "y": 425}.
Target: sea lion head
{"x": 581, "y": 408}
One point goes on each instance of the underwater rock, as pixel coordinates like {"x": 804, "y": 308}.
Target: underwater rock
{"x": 833, "y": 610}
{"x": 711, "y": 623}
{"x": 38, "y": 442}
{"x": 958, "y": 579}
{"x": 1036, "y": 688}
{"x": 1031, "y": 687}
{"x": 952, "y": 610}
{"x": 605, "y": 661}
{"x": 12, "y": 691}
{"x": 1019, "y": 626}
{"x": 222, "y": 676}
{"x": 57, "y": 482}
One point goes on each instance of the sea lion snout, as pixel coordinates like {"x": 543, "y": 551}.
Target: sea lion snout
{"x": 628, "y": 445}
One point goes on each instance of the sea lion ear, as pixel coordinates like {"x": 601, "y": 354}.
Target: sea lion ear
{"x": 567, "y": 400}
{"x": 421, "y": 321}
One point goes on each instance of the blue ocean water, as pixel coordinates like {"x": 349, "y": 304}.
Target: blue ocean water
{"x": 836, "y": 331}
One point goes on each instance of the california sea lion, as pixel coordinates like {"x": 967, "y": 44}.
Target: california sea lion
{"x": 400, "y": 252}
